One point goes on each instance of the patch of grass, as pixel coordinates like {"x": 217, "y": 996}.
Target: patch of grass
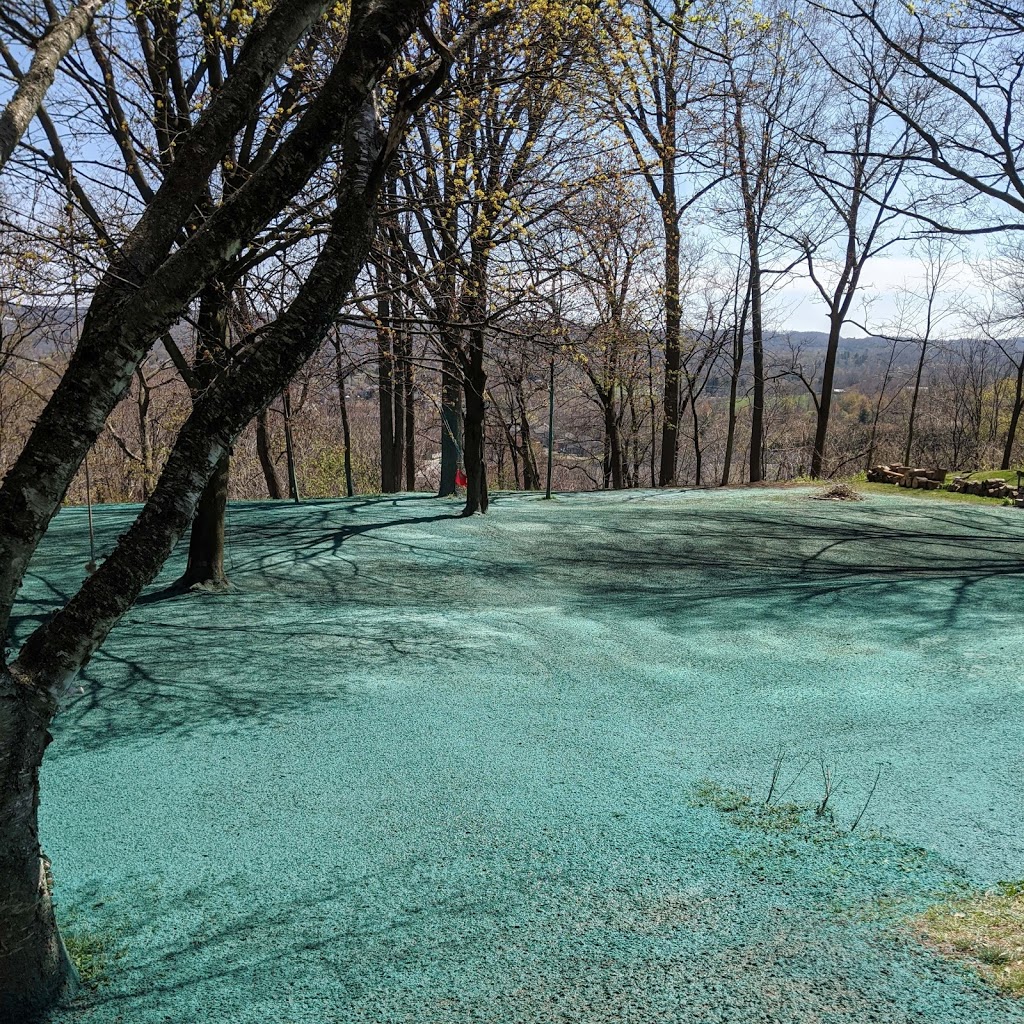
{"x": 985, "y": 931}
{"x": 743, "y": 811}
{"x": 91, "y": 953}
{"x": 1009, "y": 475}
{"x": 916, "y": 494}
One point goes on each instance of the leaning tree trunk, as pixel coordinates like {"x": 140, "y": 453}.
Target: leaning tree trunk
{"x": 1018, "y": 402}
{"x": 34, "y": 967}
{"x": 266, "y": 459}
{"x": 35, "y": 971}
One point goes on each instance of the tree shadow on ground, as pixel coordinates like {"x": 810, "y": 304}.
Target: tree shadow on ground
{"x": 777, "y": 568}
{"x": 312, "y": 613}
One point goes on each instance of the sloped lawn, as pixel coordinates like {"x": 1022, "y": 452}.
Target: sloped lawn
{"x": 513, "y": 769}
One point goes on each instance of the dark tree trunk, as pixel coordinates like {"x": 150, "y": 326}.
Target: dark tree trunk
{"x": 476, "y": 409}
{"x": 1011, "y": 433}
{"x": 408, "y": 383}
{"x": 673, "y": 321}
{"x": 205, "y": 568}
{"x": 35, "y": 971}
{"x": 531, "y": 475}
{"x": 451, "y": 422}
{"x": 613, "y": 471}
{"x": 289, "y": 447}
{"x": 698, "y": 451}
{"x": 346, "y": 434}
{"x": 730, "y": 432}
{"x": 386, "y": 382}
{"x": 398, "y": 342}
{"x": 266, "y": 459}
{"x": 757, "y": 351}
{"x": 825, "y": 403}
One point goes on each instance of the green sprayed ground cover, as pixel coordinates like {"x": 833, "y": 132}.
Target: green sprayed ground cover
{"x": 418, "y": 769}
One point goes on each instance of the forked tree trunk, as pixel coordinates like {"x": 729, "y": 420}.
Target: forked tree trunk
{"x": 35, "y": 970}
{"x": 205, "y": 569}
{"x": 531, "y": 476}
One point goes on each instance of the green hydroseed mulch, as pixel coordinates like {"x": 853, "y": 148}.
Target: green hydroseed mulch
{"x": 424, "y": 770}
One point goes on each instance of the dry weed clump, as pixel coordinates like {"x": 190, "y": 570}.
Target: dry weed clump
{"x": 838, "y": 492}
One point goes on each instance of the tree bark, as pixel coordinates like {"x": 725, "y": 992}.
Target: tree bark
{"x": 386, "y": 380}
{"x": 476, "y": 408}
{"x": 757, "y": 353}
{"x": 673, "y": 322}
{"x": 1011, "y": 433}
{"x": 408, "y": 383}
{"x": 266, "y": 459}
{"x": 613, "y": 471}
{"x": 289, "y": 446}
{"x": 825, "y": 403}
{"x": 739, "y": 333}
{"x": 205, "y": 567}
{"x": 35, "y": 971}
{"x": 451, "y": 417}
{"x": 34, "y": 85}
{"x": 146, "y": 288}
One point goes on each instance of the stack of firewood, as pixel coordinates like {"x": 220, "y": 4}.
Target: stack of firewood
{"x": 908, "y": 476}
{"x": 994, "y": 487}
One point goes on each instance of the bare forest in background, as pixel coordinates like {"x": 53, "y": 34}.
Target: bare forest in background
{"x": 604, "y": 209}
